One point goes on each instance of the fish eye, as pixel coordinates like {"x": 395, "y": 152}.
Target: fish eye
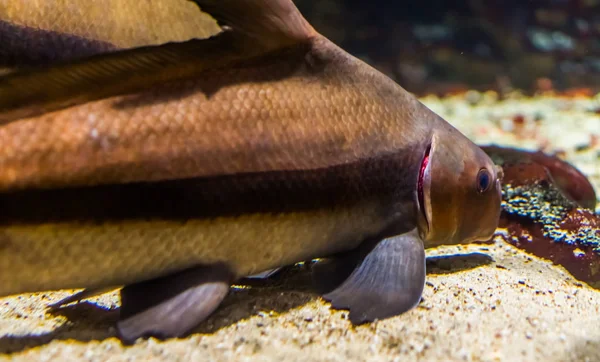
{"x": 484, "y": 180}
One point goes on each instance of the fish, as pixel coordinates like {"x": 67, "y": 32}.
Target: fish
{"x": 39, "y": 32}
{"x": 171, "y": 171}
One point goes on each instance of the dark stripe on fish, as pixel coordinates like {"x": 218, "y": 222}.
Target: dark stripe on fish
{"x": 22, "y": 46}
{"x": 389, "y": 181}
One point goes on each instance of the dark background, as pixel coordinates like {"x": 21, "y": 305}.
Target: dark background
{"x": 446, "y": 46}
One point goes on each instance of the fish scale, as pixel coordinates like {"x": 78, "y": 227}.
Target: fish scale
{"x": 59, "y": 149}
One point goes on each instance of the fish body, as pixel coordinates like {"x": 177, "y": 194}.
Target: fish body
{"x": 293, "y": 113}
{"x": 177, "y": 169}
{"x": 118, "y": 235}
{"x": 143, "y": 139}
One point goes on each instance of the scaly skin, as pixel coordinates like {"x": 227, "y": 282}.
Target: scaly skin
{"x": 78, "y": 254}
{"x": 277, "y": 114}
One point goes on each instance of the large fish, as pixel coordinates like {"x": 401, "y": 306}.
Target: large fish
{"x": 175, "y": 170}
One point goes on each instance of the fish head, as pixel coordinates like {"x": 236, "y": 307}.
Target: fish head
{"x": 458, "y": 191}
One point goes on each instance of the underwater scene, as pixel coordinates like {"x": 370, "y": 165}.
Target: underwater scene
{"x": 333, "y": 180}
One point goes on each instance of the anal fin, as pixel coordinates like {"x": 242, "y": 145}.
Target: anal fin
{"x": 265, "y": 274}
{"x": 170, "y": 306}
{"x": 77, "y": 297}
{"x": 387, "y": 282}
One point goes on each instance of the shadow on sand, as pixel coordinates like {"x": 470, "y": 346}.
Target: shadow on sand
{"x": 447, "y": 264}
{"x": 286, "y": 290}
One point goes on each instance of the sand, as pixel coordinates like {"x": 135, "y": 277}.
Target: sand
{"x": 483, "y": 302}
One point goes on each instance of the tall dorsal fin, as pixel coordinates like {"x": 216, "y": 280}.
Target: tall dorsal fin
{"x": 256, "y": 27}
{"x": 271, "y": 23}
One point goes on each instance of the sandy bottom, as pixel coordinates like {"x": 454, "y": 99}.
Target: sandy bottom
{"x": 483, "y": 302}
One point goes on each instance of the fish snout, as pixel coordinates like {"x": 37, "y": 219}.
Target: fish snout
{"x": 482, "y": 213}
{"x": 462, "y": 194}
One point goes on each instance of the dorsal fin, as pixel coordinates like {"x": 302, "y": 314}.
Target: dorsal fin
{"x": 39, "y": 33}
{"x": 271, "y": 23}
{"x": 256, "y": 27}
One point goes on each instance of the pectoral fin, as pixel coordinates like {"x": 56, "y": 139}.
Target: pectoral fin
{"x": 387, "y": 282}
{"x": 171, "y": 306}
{"x": 330, "y": 273}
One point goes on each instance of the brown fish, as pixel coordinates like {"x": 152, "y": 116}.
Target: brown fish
{"x": 39, "y": 32}
{"x": 177, "y": 169}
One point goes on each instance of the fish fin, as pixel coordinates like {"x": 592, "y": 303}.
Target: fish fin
{"x": 77, "y": 297}
{"x": 265, "y": 274}
{"x": 170, "y": 306}
{"x": 329, "y": 273}
{"x": 255, "y": 27}
{"x": 272, "y": 24}
{"x": 387, "y": 282}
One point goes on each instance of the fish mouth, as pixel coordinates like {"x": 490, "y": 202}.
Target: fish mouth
{"x": 422, "y": 183}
